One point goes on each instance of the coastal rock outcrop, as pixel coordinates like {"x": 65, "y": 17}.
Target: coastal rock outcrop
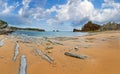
{"x": 3, "y": 24}
{"x": 89, "y": 26}
{"x": 110, "y": 26}
{"x": 4, "y": 29}
{"x": 76, "y": 30}
{"x": 95, "y": 27}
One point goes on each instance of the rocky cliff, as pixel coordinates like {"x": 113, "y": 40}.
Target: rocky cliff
{"x": 3, "y": 24}
{"x": 89, "y": 26}
{"x": 4, "y": 29}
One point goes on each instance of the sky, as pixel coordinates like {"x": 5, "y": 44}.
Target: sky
{"x": 58, "y": 14}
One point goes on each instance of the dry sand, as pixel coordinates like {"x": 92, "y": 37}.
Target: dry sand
{"x": 102, "y": 51}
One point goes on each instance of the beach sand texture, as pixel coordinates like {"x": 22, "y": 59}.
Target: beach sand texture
{"x": 46, "y": 55}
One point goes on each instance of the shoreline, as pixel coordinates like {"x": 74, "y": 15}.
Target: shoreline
{"x": 86, "y": 34}
{"x": 49, "y": 34}
{"x": 102, "y": 50}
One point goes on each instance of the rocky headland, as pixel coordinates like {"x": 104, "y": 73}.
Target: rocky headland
{"x": 5, "y": 28}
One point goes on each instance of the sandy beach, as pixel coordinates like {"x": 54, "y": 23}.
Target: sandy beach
{"x": 101, "y": 48}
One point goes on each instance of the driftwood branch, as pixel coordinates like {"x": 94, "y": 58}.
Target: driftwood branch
{"x": 16, "y": 51}
{"x": 23, "y": 65}
{"x": 75, "y": 55}
{"x": 2, "y": 42}
{"x": 54, "y": 42}
{"x": 44, "y": 56}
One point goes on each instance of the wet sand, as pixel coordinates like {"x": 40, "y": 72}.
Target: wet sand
{"x": 102, "y": 51}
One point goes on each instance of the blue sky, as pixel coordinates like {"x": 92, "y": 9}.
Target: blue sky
{"x": 58, "y": 14}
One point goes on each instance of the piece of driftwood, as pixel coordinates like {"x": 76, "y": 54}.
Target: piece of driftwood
{"x": 16, "y": 51}
{"x": 23, "y": 65}
{"x": 49, "y": 47}
{"x": 2, "y": 42}
{"x": 50, "y": 41}
{"x": 54, "y": 42}
{"x": 75, "y": 55}
{"x": 58, "y": 43}
{"x": 44, "y": 56}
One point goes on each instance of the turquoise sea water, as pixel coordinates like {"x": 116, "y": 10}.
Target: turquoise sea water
{"x": 49, "y": 33}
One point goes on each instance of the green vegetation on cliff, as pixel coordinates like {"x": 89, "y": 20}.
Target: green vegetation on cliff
{"x": 32, "y": 29}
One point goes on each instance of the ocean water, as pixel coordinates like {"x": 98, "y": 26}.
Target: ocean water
{"x": 49, "y": 33}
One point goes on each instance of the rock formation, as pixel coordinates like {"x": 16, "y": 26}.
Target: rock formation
{"x": 110, "y": 26}
{"x": 3, "y": 24}
{"x": 4, "y": 29}
{"x": 94, "y": 27}
{"x": 89, "y": 26}
{"x": 76, "y": 30}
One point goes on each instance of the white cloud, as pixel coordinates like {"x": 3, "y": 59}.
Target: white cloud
{"x": 15, "y": 19}
{"x": 53, "y": 9}
{"x": 6, "y": 13}
{"x": 36, "y": 13}
{"x": 74, "y": 10}
{"x": 109, "y": 1}
{"x": 25, "y": 8}
{"x": 25, "y": 14}
{"x": 8, "y": 9}
{"x": 109, "y": 12}
{"x": 83, "y": 10}
{"x": 5, "y": 8}
{"x": 26, "y": 3}
{"x": 1, "y": 3}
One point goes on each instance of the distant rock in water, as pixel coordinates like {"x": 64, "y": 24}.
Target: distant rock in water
{"x": 89, "y": 26}
{"x": 76, "y": 30}
{"x": 110, "y": 26}
{"x": 56, "y": 31}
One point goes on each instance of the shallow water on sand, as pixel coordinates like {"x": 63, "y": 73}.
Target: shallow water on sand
{"x": 49, "y": 33}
